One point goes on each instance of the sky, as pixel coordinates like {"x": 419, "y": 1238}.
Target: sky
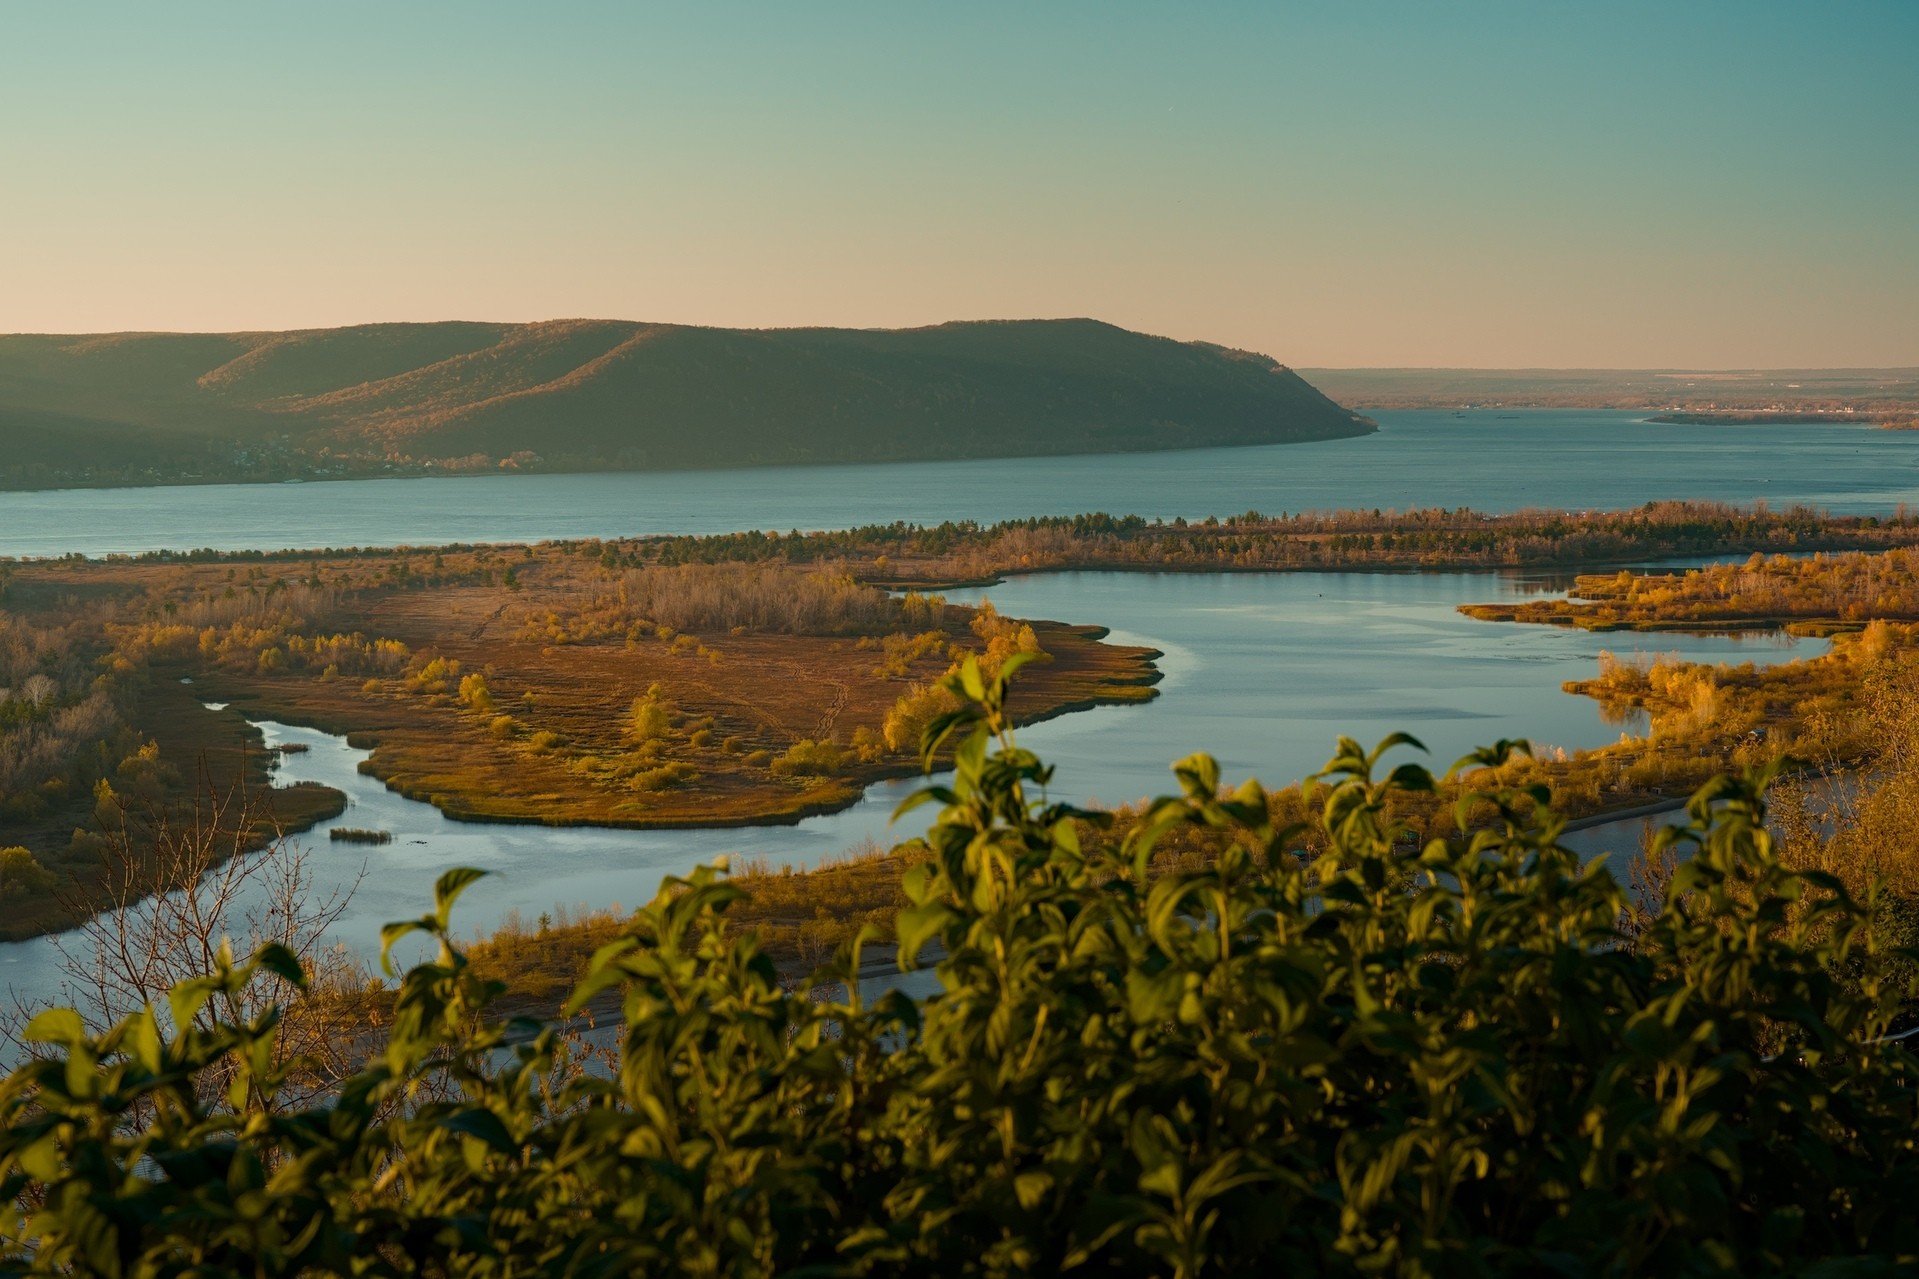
{"x": 1680, "y": 184}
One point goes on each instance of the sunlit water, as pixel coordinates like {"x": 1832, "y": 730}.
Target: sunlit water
{"x": 1567, "y": 459}
{"x": 1261, "y": 670}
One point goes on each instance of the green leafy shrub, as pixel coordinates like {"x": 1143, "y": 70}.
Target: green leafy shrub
{"x": 474, "y": 692}
{"x": 651, "y": 716}
{"x": 665, "y": 777}
{"x": 808, "y": 758}
{"x": 21, "y": 873}
{"x": 1457, "y": 1059}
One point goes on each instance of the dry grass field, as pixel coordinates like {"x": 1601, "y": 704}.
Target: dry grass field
{"x": 571, "y": 754}
{"x": 607, "y": 684}
{"x": 524, "y": 684}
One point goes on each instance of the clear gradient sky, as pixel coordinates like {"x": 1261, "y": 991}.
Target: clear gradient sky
{"x": 1487, "y": 184}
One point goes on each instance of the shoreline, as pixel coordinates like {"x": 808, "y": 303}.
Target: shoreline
{"x": 427, "y": 472}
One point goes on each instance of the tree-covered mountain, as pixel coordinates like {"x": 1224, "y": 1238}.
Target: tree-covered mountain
{"x": 590, "y": 394}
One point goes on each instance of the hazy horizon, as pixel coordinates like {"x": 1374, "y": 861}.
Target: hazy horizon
{"x": 1483, "y": 186}
{"x": 1330, "y": 368}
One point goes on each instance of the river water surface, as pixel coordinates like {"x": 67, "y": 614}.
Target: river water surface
{"x": 1572, "y": 459}
{"x": 1263, "y": 671}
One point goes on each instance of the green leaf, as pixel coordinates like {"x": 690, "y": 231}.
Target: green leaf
{"x": 143, "y": 1038}
{"x": 1391, "y": 740}
{"x": 941, "y": 727}
{"x": 1410, "y": 777}
{"x": 1198, "y": 777}
{"x": 447, "y": 890}
{"x": 1150, "y": 998}
{"x": 483, "y": 1124}
{"x": 970, "y": 681}
{"x": 41, "y": 1159}
{"x": 1011, "y": 666}
{"x": 186, "y": 1000}
{"x": 391, "y": 933}
{"x": 924, "y": 795}
{"x": 56, "y": 1026}
{"x": 282, "y": 963}
{"x": 1490, "y": 756}
{"x": 969, "y": 760}
{"x": 1031, "y": 1188}
{"x": 917, "y": 926}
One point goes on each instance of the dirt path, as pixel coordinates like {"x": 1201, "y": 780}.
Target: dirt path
{"x": 828, "y": 720}
{"x": 487, "y": 621}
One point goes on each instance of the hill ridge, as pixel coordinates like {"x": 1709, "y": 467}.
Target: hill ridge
{"x": 585, "y": 393}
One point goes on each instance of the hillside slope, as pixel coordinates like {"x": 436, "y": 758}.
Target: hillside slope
{"x": 606, "y": 394}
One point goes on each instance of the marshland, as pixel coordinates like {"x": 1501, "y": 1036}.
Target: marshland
{"x": 733, "y": 681}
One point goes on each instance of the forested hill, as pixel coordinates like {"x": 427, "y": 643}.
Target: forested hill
{"x": 592, "y": 394}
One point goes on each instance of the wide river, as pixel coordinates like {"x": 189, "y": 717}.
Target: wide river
{"x": 1261, "y": 670}
{"x": 1567, "y": 459}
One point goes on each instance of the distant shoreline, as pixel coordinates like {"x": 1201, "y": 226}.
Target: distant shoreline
{"x": 399, "y": 471}
{"x": 1763, "y": 417}
{"x": 1770, "y": 394}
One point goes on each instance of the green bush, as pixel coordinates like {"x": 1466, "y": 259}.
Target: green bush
{"x": 807, "y": 758}
{"x": 1461, "y": 1059}
{"x": 650, "y": 717}
{"x": 665, "y": 777}
{"x": 21, "y": 873}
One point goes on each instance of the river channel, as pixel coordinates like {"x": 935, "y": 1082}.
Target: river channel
{"x": 1262, "y": 670}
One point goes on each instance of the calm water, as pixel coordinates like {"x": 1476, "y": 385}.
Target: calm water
{"x": 1263, "y": 671}
{"x": 1570, "y": 459}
